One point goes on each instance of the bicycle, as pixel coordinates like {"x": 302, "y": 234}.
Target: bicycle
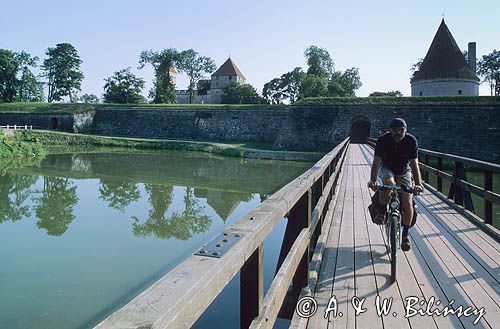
{"x": 393, "y": 222}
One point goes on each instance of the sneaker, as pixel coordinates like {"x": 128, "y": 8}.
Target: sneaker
{"x": 405, "y": 243}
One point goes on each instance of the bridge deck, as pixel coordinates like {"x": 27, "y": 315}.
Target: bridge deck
{"x": 450, "y": 259}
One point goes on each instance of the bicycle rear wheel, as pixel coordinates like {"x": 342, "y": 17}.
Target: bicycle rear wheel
{"x": 393, "y": 228}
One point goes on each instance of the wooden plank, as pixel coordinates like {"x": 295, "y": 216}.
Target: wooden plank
{"x": 382, "y": 270}
{"x": 276, "y": 293}
{"x": 472, "y": 238}
{"x": 478, "y": 284}
{"x": 445, "y": 270}
{"x": 317, "y": 258}
{"x": 251, "y": 287}
{"x": 343, "y": 285}
{"x": 365, "y": 283}
{"x": 326, "y": 275}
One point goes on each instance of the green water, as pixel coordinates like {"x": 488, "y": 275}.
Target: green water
{"x": 81, "y": 234}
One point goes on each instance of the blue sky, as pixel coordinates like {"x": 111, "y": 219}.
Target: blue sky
{"x": 264, "y": 38}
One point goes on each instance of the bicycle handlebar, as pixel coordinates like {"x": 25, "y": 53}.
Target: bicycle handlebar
{"x": 402, "y": 188}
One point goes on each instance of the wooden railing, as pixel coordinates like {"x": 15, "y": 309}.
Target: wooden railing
{"x": 460, "y": 189}
{"x": 179, "y": 298}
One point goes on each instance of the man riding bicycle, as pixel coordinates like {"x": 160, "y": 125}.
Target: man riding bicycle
{"x": 396, "y": 162}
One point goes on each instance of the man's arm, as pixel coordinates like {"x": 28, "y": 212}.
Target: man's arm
{"x": 416, "y": 175}
{"x": 376, "y": 165}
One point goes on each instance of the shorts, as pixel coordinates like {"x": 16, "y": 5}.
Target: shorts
{"x": 404, "y": 179}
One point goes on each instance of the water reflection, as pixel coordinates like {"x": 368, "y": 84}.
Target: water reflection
{"x": 14, "y": 191}
{"x": 99, "y": 228}
{"x": 118, "y": 194}
{"x": 54, "y": 208}
{"x": 180, "y": 225}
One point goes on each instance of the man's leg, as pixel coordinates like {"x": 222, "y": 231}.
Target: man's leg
{"x": 407, "y": 209}
{"x": 385, "y": 196}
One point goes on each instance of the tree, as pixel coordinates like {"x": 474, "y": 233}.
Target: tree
{"x": 163, "y": 90}
{"x": 319, "y": 62}
{"x": 123, "y": 87}
{"x": 89, "y": 99}
{"x": 313, "y": 86}
{"x": 285, "y": 87}
{"x": 62, "y": 69}
{"x": 344, "y": 84}
{"x": 489, "y": 69}
{"x": 392, "y": 93}
{"x": 195, "y": 66}
{"x": 29, "y": 88}
{"x": 235, "y": 93}
{"x": 8, "y": 71}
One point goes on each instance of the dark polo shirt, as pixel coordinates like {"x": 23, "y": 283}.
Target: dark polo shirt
{"x": 396, "y": 156}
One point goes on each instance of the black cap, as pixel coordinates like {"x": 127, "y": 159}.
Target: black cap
{"x": 398, "y": 123}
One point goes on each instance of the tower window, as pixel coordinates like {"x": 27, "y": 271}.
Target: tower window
{"x": 420, "y": 93}
{"x": 460, "y": 92}
{"x": 230, "y": 77}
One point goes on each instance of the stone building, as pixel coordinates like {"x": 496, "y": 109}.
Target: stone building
{"x": 210, "y": 91}
{"x": 444, "y": 70}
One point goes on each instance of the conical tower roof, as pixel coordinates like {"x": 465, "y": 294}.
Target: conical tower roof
{"x": 444, "y": 59}
{"x": 228, "y": 68}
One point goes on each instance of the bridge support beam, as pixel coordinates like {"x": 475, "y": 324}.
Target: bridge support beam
{"x": 251, "y": 287}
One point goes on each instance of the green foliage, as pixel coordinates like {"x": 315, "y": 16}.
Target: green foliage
{"x": 235, "y": 93}
{"x": 284, "y": 88}
{"x": 313, "y": 86}
{"x": 29, "y": 88}
{"x": 163, "y": 90}
{"x": 123, "y": 87}
{"x": 62, "y": 69}
{"x": 489, "y": 70}
{"x": 319, "y": 62}
{"x": 89, "y": 99}
{"x": 195, "y": 66}
{"x": 14, "y": 145}
{"x": 8, "y": 71}
{"x": 392, "y": 93}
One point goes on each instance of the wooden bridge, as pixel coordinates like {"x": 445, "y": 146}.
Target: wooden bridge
{"x": 335, "y": 262}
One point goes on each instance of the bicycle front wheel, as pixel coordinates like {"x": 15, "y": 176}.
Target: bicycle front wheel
{"x": 394, "y": 245}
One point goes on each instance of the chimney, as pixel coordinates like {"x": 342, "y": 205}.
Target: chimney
{"x": 472, "y": 56}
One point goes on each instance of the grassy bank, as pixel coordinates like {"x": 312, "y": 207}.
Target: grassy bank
{"x": 58, "y": 141}
{"x": 452, "y": 100}
{"x": 13, "y": 145}
{"x": 75, "y": 108}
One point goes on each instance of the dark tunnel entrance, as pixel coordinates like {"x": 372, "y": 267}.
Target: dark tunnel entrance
{"x": 360, "y": 131}
{"x": 54, "y": 123}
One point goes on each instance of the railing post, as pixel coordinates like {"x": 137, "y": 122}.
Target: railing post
{"x": 439, "y": 179}
{"x": 302, "y": 218}
{"x": 426, "y": 172}
{"x": 488, "y": 206}
{"x": 456, "y": 192}
{"x": 251, "y": 287}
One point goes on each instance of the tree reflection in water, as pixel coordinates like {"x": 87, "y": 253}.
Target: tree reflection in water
{"x": 118, "y": 194}
{"x": 55, "y": 207}
{"x": 182, "y": 226}
{"x": 14, "y": 191}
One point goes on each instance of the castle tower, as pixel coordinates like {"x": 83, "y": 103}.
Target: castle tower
{"x": 444, "y": 71}
{"x": 227, "y": 73}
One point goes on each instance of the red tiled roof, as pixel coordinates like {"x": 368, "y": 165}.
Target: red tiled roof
{"x": 444, "y": 59}
{"x": 228, "y": 68}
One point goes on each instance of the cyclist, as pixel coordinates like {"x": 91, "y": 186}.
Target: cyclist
{"x": 396, "y": 162}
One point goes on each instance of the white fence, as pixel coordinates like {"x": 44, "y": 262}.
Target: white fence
{"x": 16, "y": 127}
